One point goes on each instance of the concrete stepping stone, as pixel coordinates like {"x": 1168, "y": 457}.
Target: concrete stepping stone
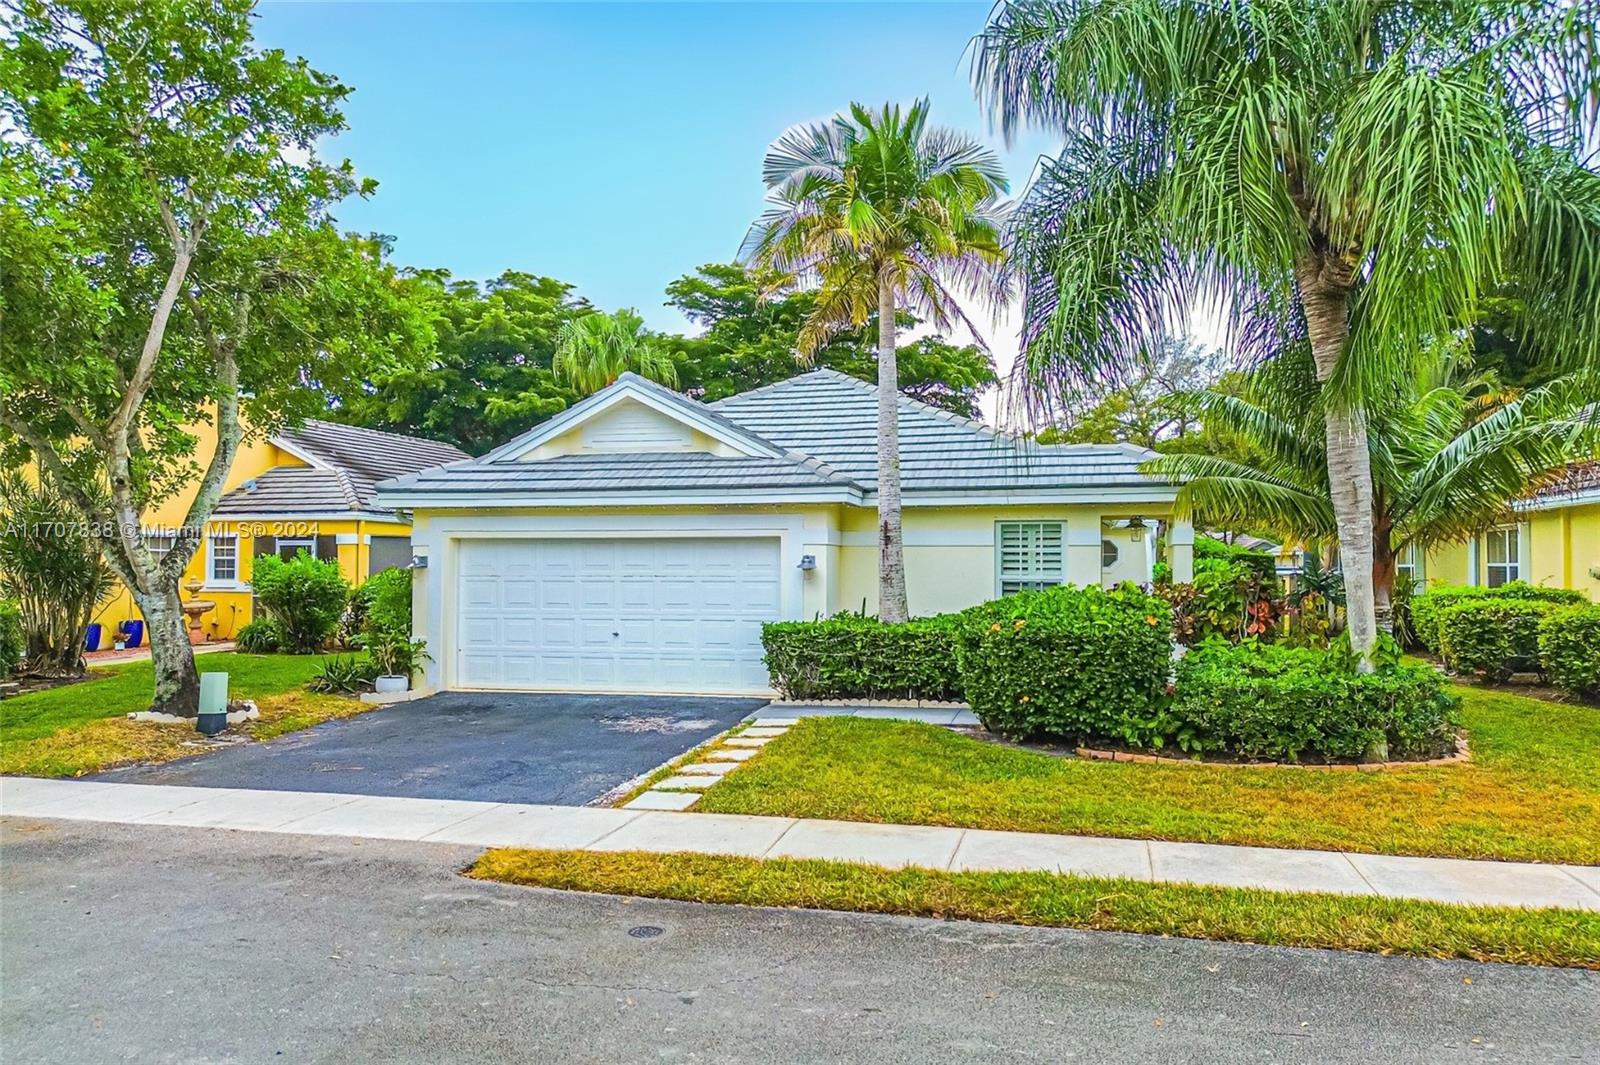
{"x": 663, "y": 800}
{"x": 709, "y": 769}
{"x": 764, "y": 731}
{"x": 732, "y": 753}
{"x": 741, "y": 741}
{"x": 684, "y": 782}
{"x": 776, "y": 722}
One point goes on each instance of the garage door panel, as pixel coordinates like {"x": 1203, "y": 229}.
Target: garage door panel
{"x": 668, "y": 614}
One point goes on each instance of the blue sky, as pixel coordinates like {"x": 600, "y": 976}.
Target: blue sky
{"x": 611, "y": 145}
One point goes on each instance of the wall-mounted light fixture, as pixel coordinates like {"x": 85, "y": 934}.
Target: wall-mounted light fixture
{"x": 419, "y": 561}
{"x": 808, "y": 562}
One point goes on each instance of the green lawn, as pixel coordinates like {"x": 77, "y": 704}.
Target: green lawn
{"x": 1386, "y": 926}
{"x": 128, "y": 688}
{"x": 82, "y": 728}
{"x": 1531, "y": 791}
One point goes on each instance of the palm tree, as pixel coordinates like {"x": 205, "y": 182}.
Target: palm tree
{"x": 595, "y": 349}
{"x": 878, "y": 211}
{"x": 1354, "y": 173}
{"x": 1449, "y": 452}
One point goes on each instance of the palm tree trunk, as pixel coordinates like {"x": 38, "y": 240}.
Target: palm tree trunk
{"x": 891, "y": 550}
{"x": 1383, "y": 574}
{"x": 1327, "y": 309}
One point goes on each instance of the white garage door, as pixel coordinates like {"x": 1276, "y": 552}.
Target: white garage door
{"x": 613, "y": 615}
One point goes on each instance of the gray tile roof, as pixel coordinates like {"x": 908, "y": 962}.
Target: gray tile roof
{"x": 834, "y": 417}
{"x": 352, "y": 461}
{"x": 822, "y": 428}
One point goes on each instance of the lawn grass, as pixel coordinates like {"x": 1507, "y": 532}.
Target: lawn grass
{"x": 1384, "y": 926}
{"x": 82, "y": 728}
{"x": 1531, "y": 791}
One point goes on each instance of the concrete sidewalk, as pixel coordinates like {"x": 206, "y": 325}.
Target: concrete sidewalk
{"x": 486, "y": 824}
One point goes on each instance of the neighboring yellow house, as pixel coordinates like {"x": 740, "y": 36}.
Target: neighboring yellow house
{"x": 309, "y": 488}
{"x": 1555, "y": 541}
{"x": 638, "y": 540}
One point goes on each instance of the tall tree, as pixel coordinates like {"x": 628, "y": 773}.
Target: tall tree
{"x": 1450, "y": 451}
{"x": 749, "y": 333}
{"x": 595, "y": 349}
{"x": 490, "y": 376}
{"x": 875, "y": 211}
{"x": 167, "y": 257}
{"x": 1347, "y": 171}
{"x": 1152, "y": 407}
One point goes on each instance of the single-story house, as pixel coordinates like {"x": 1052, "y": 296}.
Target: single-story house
{"x": 638, "y": 540}
{"x": 308, "y": 488}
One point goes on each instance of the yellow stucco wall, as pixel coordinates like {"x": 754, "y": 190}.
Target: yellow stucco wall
{"x": 1562, "y": 546}
{"x": 233, "y": 605}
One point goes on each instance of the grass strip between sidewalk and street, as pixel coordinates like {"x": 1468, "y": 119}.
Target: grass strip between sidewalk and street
{"x": 1383, "y": 926}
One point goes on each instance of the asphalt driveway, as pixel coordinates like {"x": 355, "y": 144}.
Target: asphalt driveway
{"x": 495, "y": 747}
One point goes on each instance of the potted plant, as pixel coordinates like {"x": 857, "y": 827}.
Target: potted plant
{"x": 396, "y": 655}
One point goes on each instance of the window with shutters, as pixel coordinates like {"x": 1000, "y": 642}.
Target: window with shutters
{"x": 1029, "y": 555}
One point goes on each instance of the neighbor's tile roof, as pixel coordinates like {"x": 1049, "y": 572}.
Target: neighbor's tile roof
{"x": 352, "y": 460}
{"x": 1578, "y": 477}
{"x": 822, "y": 427}
{"x": 834, "y": 417}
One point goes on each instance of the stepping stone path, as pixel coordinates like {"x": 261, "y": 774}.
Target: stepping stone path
{"x": 683, "y": 789}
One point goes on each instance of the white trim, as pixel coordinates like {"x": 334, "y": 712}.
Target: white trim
{"x": 632, "y": 387}
{"x": 211, "y": 578}
{"x": 298, "y": 541}
{"x": 348, "y": 539}
{"x": 472, "y": 501}
{"x": 1571, "y": 499}
{"x": 304, "y": 456}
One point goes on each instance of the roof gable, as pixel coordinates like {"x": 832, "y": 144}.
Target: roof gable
{"x": 634, "y": 416}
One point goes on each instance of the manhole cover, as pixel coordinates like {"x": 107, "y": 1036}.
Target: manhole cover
{"x": 645, "y": 931}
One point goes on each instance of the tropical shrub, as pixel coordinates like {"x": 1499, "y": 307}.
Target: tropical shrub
{"x": 52, "y": 569}
{"x": 1070, "y": 662}
{"x": 13, "y": 641}
{"x": 1569, "y": 649}
{"x": 852, "y": 656}
{"x": 262, "y": 636}
{"x": 1427, "y": 607}
{"x": 1259, "y": 563}
{"x": 1296, "y": 704}
{"x": 387, "y": 596}
{"x": 305, "y": 597}
{"x": 344, "y": 675}
{"x": 1228, "y": 598}
{"x": 1492, "y": 638}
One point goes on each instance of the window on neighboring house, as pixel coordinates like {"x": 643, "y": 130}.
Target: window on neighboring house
{"x": 1408, "y": 568}
{"x": 1029, "y": 555}
{"x": 160, "y": 543}
{"x": 222, "y": 560}
{"x": 1503, "y": 553}
{"x": 287, "y": 548}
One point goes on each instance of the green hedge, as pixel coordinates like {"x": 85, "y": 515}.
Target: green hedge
{"x": 1297, "y": 704}
{"x": 305, "y": 596}
{"x": 1262, "y": 564}
{"x": 1492, "y": 638}
{"x": 1569, "y": 648}
{"x": 851, "y": 657}
{"x": 1427, "y": 607}
{"x": 1071, "y": 663}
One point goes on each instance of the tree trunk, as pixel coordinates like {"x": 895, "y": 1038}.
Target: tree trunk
{"x": 892, "y": 605}
{"x": 177, "y": 683}
{"x": 1383, "y": 575}
{"x": 1327, "y": 308}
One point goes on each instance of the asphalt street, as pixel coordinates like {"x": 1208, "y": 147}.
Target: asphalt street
{"x": 157, "y": 944}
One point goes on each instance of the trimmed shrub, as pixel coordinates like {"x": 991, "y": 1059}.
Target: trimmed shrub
{"x": 13, "y": 640}
{"x": 304, "y": 596}
{"x": 1297, "y": 704}
{"x": 849, "y": 656}
{"x": 1492, "y": 638}
{"x": 1569, "y": 649}
{"x": 1071, "y": 663}
{"x": 260, "y": 637}
{"x": 1261, "y": 564}
{"x": 388, "y": 602}
{"x": 1426, "y": 608}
